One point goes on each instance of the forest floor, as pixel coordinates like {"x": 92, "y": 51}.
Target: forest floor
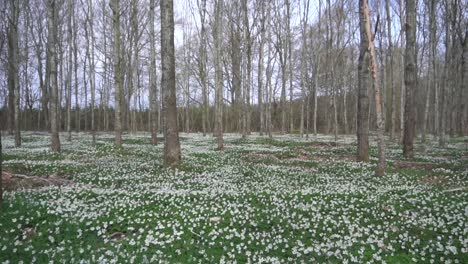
{"x": 263, "y": 200}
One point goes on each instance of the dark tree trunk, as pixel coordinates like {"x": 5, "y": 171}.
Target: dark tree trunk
{"x": 410, "y": 79}
{"x": 172, "y": 153}
{"x": 364, "y": 84}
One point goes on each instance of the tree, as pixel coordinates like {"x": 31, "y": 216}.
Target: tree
{"x": 363, "y": 86}
{"x": 153, "y": 89}
{"x": 431, "y": 69}
{"x": 218, "y": 72}
{"x": 304, "y": 65}
{"x": 89, "y": 34}
{"x": 410, "y": 79}
{"x": 390, "y": 71}
{"x": 365, "y": 22}
{"x": 117, "y": 71}
{"x": 172, "y": 153}
{"x": 260, "y": 67}
{"x": 52, "y": 62}
{"x": 70, "y": 65}
{"x": 13, "y": 70}
{"x": 202, "y": 66}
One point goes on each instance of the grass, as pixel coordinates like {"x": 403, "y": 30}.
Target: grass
{"x": 285, "y": 199}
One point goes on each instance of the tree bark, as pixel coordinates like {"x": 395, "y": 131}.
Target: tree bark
{"x": 260, "y": 69}
{"x": 115, "y": 5}
{"x": 402, "y": 63}
{"x": 410, "y": 79}
{"x": 13, "y": 71}
{"x": 380, "y": 170}
{"x": 152, "y": 76}
{"x": 364, "y": 84}
{"x": 70, "y": 66}
{"x": 431, "y": 67}
{"x": 392, "y": 103}
{"x": 219, "y": 73}
{"x": 172, "y": 153}
{"x": 51, "y": 40}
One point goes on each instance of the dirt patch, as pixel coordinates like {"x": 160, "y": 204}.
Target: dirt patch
{"x": 322, "y": 144}
{"x": 13, "y": 182}
{"x": 343, "y": 157}
{"x": 436, "y": 180}
{"x": 402, "y": 164}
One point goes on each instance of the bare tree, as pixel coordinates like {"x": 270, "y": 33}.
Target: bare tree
{"x": 52, "y": 53}
{"x": 218, "y": 72}
{"x": 89, "y": 33}
{"x": 172, "y": 153}
{"x": 202, "y": 65}
{"x": 13, "y": 70}
{"x": 117, "y": 71}
{"x": 260, "y": 67}
{"x": 304, "y": 64}
{"x": 390, "y": 71}
{"x": 364, "y": 84}
{"x": 365, "y": 22}
{"x": 70, "y": 65}
{"x": 432, "y": 67}
{"x": 153, "y": 89}
{"x": 410, "y": 79}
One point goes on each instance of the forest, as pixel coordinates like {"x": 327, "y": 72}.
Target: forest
{"x": 224, "y": 131}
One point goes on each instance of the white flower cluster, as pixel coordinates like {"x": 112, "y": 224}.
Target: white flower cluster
{"x": 261, "y": 201}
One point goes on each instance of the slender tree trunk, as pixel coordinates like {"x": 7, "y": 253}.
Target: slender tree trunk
{"x": 463, "y": 86}
{"x": 13, "y": 71}
{"x": 402, "y": 63}
{"x": 51, "y": 40}
{"x": 172, "y": 153}
{"x": 117, "y": 71}
{"x": 410, "y": 79}
{"x": 248, "y": 57}
{"x": 304, "y": 66}
{"x": 391, "y": 87}
{"x": 219, "y": 73}
{"x": 70, "y": 66}
{"x": 290, "y": 63}
{"x": 75, "y": 55}
{"x": 364, "y": 76}
{"x": 365, "y": 19}
{"x": 260, "y": 69}
{"x": 316, "y": 84}
{"x": 152, "y": 75}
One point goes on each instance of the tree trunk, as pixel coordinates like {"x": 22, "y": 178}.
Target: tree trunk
{"x": 51, "y": 40}
{"x": 365, "y": 19}
{"x": 70, "y": 66}
{"x": 431, "y": 68}
{"x": 13, "y": 71}
{"x": 75, "y": 55}
{"x": 260, "y": 69}
{"x": 402, "y": 63}
{"x": 364, "y": 84}
{"x": 463, "y": 86}
{"x": 391, "y": 87}
{"x": 117, "y": 71}
{"x": 92, "y": 72}
{"x": 290, "y": 63}
{"x": 304, "y": 66}
{"x": 410, "y": 79}
{"x": 219, "y": 73}
{"x": 172, "y": 153}
{"x": 152, "y": 76}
